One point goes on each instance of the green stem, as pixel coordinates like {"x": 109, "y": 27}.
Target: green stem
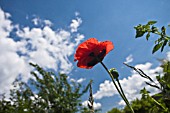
{"x": 124, "y": 94}
{"x": 158, "y": 33}
{"x": 121, "y": 93}
{"x": 158, "y": 104}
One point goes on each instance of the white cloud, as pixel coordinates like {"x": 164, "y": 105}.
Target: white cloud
{"x": 168, "y": 56}
{"x": 106, "y": 89}
{"x": 11, "y": 64}
{"x": 81, "y": 80}
{"x": 48, "y": 22}
{"x": 77, "y": 13}
{"x": 43, "y": 45}
{"x": 36, "y": 21}
{"x": 129, "y": 59}
{"x": 134, "y": 83}
{"x": 131, "y": 85}
{"x": 75, "y": 24}
{"x": 95, "y": 105}
{"x": 5, "y": 24}
{"x": 79, "y": 37}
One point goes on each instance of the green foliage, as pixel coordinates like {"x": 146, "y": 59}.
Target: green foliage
{"x": 115, "y": 110}
{"x": 142, "y": 29}
{"x": 52, "y": 94}
{"x": 149, "y": 28}
{"x": 158, "y": 103}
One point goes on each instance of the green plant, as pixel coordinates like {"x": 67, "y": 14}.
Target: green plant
{"x": 149, "y": 28}
{"x": 160, "y": 102}
{"x": 45, "y": 93}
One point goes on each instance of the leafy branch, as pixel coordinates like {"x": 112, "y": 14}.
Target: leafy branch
{"x": 161, "y": 99}
{"x": 149, "y": 28}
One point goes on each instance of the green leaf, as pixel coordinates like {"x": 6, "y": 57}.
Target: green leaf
{"x": 139, "y": 34}
{"x": 144, "y": 91}
{"x": 158, "y": 95}
{"x": 154, "y": 29}
{"x": 164, "y": 44}
{"x": 140, "y": 30}
{"x": 158, "y": 78}
{"x": 147, "y": 36}
{"x": 152, "y": 22}
{"x": 163, "y": 29}
{"x": 160, "y": 40}
{"x": 157, "y": 47}
{"x": 146, "y": 27}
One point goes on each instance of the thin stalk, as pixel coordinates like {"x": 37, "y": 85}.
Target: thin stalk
{"x": 158, "y": 104}
{"x": 158, "y": 33}
{"x": 123, "y": 96}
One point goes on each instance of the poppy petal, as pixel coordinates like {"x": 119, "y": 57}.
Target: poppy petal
{"x": 83, "y": 63}
{"x": 91, "y": 52}
{"x": 108, "y": 45}
{"x": 85, "y": 48}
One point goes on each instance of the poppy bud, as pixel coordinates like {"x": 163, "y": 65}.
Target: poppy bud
{"x": 114, "y": 73}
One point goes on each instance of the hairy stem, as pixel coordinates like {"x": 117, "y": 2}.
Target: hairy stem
{"x": 120, "y": 92}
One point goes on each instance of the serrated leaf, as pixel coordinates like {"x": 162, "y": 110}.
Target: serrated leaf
{"x": 156, "y": 47}
{"x": 152, "y": 22}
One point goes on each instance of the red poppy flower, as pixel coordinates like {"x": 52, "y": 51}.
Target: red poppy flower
{"x": 91, "y": 52}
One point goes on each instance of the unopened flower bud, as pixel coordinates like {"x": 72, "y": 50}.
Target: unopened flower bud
{"x": 114, "y": 73}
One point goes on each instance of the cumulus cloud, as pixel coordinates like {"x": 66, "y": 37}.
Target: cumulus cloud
{"x": 48, "y": 22}
{"x": 95, "y": 105}
{"x": 80, "y": 80}
{"x": 5, "y": 24}
{"x": 48, "y": 47}
{"x": 168, "y": 56}
{"x": 106, "y": 89}
{"x": 11, "y": 64}
{"x": 129, "y": 59}
{"x": 42, "y": 45}
{"x": 75, "y": 24}
{"x": 38, "y": 21}
{"x": 131, "y": 85}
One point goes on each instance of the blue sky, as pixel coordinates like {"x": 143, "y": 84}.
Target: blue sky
{"x": 48, "y": 32}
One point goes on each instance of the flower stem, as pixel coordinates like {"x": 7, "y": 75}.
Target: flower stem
{"x": 124, "y": 95}
{"x": 120, "y": 92}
